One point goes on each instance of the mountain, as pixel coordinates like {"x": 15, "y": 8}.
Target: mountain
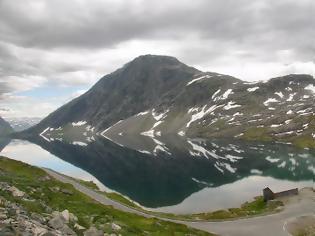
{"x": 5, "y": 127}
{"x": 158, "y": 95}
{"x": 23, "y": 123}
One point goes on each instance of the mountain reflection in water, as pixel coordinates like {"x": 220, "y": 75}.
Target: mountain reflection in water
{"x": 184, "y": 175}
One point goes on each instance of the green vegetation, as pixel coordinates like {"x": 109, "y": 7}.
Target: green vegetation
{"x": 112, "y": 195}
{"x": 308, "y": 231}
{"x": 88, "y": 184}
{"x": 248, "y": 209}
{"x": 119, "y": 198}
{"x": 54, "y": 195}
{"x": 304, "y": 141}
{"x": 257, "y": 134}
{"x": 256, "y": 207}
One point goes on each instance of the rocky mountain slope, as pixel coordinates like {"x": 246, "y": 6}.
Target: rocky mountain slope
{"x": 5, "y": 127}
{"x": 158, "y": 95}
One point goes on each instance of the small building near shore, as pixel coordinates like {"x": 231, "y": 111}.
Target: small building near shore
{"x": 268, "y": 194}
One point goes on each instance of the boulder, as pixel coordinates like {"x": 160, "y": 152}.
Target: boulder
{"x": 2, "y": 216}
{"x": 37, "y": 230}
{"x": 8, "y": 231}
{"x": 93, "y": 232}
{"x": 66, "y": 215}
{"x": 73, "y": 218}
{"x": 45, "y": 178}
{"x": 79, "y": 227}
{"x": 115, "y": 227}
{"x": 54, "y": 189}
{"x": 38, "y": 218}
{"x": 49, "y": 234}
{"x": 67, "y": 231}
{"x": 16, "y": 192}
{"x": 57, "y": 222}
{"x": 66, "y": 191}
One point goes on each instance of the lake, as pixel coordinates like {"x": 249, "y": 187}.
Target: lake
{"x": 173, "y": 174}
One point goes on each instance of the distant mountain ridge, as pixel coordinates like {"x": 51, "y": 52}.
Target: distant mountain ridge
{"x": 5, "y": 127}
{"x": 158, "y": 95}
{"x": 23, "y": 123}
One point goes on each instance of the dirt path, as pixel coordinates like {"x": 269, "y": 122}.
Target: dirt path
{"x": 303, "y": 204}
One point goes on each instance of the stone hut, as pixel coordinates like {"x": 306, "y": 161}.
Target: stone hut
{"x": 268, "y": 194}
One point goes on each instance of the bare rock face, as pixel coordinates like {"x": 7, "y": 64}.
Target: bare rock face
{"x": 93, "y": 232}
{"x": 79, "y": 227}
{"x": 115, "y": 227}
{"x": 16, "y": 192}
{"x": 66, "y": 215}
{"x": 57, "y": 222}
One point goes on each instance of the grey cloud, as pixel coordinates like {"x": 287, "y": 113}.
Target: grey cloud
{"x": 206, "y": 30}
{"x": 4, "y": 88}
{"x": 74, "y": 42}
{"x": 264, "y": 23}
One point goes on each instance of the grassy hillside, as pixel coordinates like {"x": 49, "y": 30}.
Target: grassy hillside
{"x": 51, "y": 195}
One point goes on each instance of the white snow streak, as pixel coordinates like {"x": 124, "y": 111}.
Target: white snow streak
{"x": 270, "y": 100}
{"x": 199, "y": 78}
{"x": 310, "y": 87}
{"x": 79, "y": 123}
{"x": 231, "y": 105}
{"x": 252, "y": 89}
{"x": 199, "y": 115}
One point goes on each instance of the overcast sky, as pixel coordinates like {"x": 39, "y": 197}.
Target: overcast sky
{"x": 53, "y": 50}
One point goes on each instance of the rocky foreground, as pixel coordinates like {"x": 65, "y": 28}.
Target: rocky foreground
{"x": 16, "y": 220}
{"x": 34, "y": 204}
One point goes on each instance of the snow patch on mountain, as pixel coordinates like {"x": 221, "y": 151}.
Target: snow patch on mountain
{"x": 272, "y": 160}
{"x": 227, "y": 93}
{"x": 275, "y": 125}
{"x": 159, "y": 119}
{"x": 280, "y": 94}
{"x": 290, "y": 112}
{"x": 42, "y": 134}
{"x": 160, "y": 116}
{"x": 149, "y": 133}
{"x": 310, "y": 87}
{"x": 231, "y": 105}
{"x": 160, "y": 147}
{"x": 253, "y": 89}
{"x": 270, "y": 100}
{"x": 79, "y": 123}
{"x": 216, "y": 93}
{"x": 233, "y": 158}
{"x": 237, "y": 114}
{"x": 197, "y": 79}
{"x": 291, "y": 96}
{"x": 199, "y": 115}
{"x": 143, "y": 113}
{"x": 79, "y": 143}
{"x": 229, "y": 168}
{"x": 255, "y": 171}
